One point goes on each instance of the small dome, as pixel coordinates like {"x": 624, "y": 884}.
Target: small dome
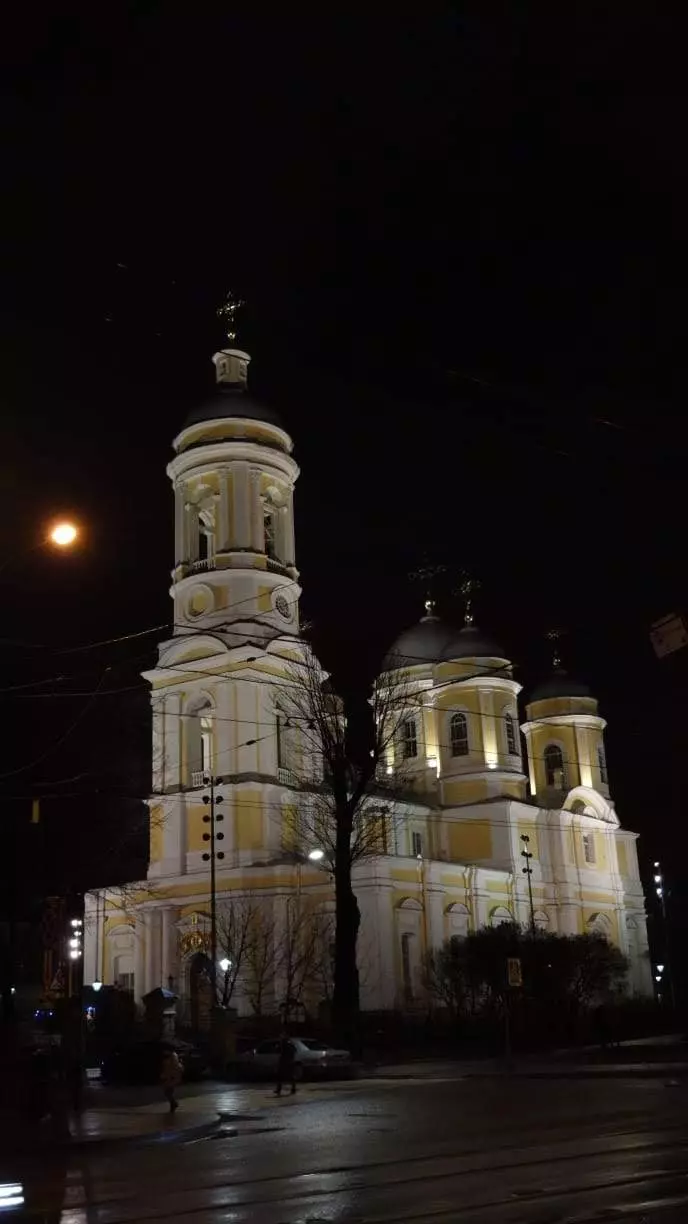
{"x": 472, "y": 643}
{"x": 559, "y": 684}
{"x": 426, "y": 642}
{"x": 228, "y": 401}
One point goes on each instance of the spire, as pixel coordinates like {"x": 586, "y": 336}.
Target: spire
{"x": 554, "y": 636}
{"x": 427, "y": 574}
{"x": 468, "y": 588}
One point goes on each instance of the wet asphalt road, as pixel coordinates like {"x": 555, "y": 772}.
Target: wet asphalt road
{"x": 513, "y": 1151}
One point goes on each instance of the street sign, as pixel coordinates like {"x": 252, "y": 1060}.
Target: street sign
{"x": 668, "y": 634}
{"x": 513, "y": 971}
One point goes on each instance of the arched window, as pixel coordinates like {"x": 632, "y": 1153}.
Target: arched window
{"x": 206, "y": 742}
{"x": 602, "y": 762}
{"x": 459, "y": 735}
{"x": 511, "y": 745}
{"x": 555, "y": 773}
{"x": 409, "y": 738}
{"x": 199, "y": 732}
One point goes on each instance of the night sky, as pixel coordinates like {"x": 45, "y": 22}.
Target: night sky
{"x": 461, "y": 240}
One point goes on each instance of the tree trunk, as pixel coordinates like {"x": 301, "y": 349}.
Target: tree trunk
{"x": 345, "y": 999}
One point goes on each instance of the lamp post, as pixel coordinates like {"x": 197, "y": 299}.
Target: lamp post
{"x": 212, "y": 818}
{"x": 661, "y": 894}
{"x": 528, "y": 872}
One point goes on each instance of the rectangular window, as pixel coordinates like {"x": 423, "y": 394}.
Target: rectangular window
{"x": 409, "y": 739}
{"x": 377, "y": 833}
{"x": 602, "y": 762}
{"x": 589, "y": 847}
{"x": 416, "y": 844}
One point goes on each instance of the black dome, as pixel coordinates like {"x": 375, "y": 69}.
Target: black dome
{"x": 560, "y": 684}
{"x": 472, "y": 643}
{"x": 231, "y": 401}
{"x": 426, "y": 642}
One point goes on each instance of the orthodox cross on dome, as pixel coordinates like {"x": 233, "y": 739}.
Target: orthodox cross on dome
{"x": 427, "y": 574}
{"x": 227, "y": 311}
{"x": 554, "y": 636}
{"x": 469, "y": 587}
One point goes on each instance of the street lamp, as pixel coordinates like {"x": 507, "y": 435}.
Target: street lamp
{"x": 225, "y": 964}
{"x": 96, "y": 986}
{"x": 316, "y": 856}
{"x": 63, "y": 534}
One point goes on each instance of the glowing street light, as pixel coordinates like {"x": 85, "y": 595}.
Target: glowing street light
{"x": 96, "y": 986}
{"x": 64, "y": 534}
{"x": 225, "y": 964}
{"x": 316, "y": 856}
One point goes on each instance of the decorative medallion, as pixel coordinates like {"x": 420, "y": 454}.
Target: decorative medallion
{"x": 282, "y": 606}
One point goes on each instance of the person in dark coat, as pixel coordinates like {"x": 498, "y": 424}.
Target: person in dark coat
{"x": 286, "y": 1065}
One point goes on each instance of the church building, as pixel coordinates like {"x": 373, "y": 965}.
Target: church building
{"x": 480, "y": 785}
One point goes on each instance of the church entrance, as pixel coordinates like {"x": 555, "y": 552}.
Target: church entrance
{"x": 200, "y": 992}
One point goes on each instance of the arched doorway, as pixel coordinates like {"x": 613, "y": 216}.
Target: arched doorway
{"x": 200, "y": 992}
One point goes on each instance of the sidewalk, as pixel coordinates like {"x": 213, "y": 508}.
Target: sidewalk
{"x": 197, "y": 1115}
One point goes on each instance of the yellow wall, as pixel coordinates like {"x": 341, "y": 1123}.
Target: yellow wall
{"x": 459, "y": 792}
{"x": 470, "y": 840}
{"x": 196, "y": 827}
{"x": 248, "y": 820}
{"x": 156, "y": 833}
{"x": 622, "y": 857}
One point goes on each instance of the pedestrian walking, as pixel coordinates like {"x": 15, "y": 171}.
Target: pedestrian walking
{"x": 286, "y": 1065}
{"x": 170, "y": 1076}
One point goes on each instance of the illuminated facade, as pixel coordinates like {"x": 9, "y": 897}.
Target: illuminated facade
{"x": 451, "y": 859}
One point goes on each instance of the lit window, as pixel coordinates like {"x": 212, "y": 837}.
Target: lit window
{"x": 459, "y": 735}
{"x": 409, "y": 738}
{"x": 589, "y": 847}
{"x": 511, "y": 746}
{"x": 555, "y": 772}
{"x": 416, "y": 844}
{"x": 377, "y": 834}
{"x": 602, "y": 762}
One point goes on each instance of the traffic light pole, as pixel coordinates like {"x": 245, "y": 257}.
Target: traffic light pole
{"x": 211, "y": 800}
{"x": 528, "y": 871}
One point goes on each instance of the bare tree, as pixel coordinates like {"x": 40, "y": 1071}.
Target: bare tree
{"x": 347, "y": 806}
{"x": 236, "y": 919}
{"x": 262, "y": 958}
{"x": 297, "y": 956}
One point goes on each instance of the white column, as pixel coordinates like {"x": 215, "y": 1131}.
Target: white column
{"x": 93, "y": 934}
{"x": 191, "y": 524}
{"x": 148, "y": 956}
{"x": 256, "y": 512}
{"x": 434, "y": 898}
{"x": 241, "y": 506}
{"x": 289, "y": 542}
{"x": 169, "y": 946}
{"x": 222, "y": 514}
{"x": 179, "y": 525}
{"x": 139, "y": 958}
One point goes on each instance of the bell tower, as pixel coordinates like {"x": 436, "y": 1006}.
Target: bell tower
{"x": 565, "y": 738}
{"x": 233, "y": 476}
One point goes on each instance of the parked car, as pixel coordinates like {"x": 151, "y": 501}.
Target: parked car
{"x": 313, "y": 1059}
{"x": 140, "y": 1062}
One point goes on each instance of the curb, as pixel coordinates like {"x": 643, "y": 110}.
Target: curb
{"x": 179, "y": 1135}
